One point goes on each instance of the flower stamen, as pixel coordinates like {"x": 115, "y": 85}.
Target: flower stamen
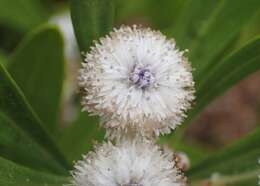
{"x": 142, "y": 76}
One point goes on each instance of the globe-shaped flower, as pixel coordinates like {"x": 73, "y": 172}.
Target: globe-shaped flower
{"x": 137, "y": 79}
{"x": 129, "y": 163}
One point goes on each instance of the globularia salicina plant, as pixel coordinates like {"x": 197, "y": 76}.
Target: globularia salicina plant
{"x": 140, "y": 85}
{"x": 140, "y": 88}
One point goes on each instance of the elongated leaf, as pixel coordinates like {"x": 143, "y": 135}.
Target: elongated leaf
{"x": 22, "y": 14}
{"x": 223, "y": 26}
{"x": 251, "y": 30}
{"x": 228, "y": 72}
{"x": 91, "y": 20}
{"x": 37, "y": 66}
{"x": 17, "y": 146}
{"x": 234, "y": 165}
{"x": 159, "y": 17}
{"x": 3, "y": 58}
{"x": 12, "y": 174}
{"x": 166, "y": 14}
{"x": 192, "y": 19}
{"x": 80, "y": 135}
{"x": 133, "y": 9}
{"x": 13, "y": 105}
{"x": 193, "y": 151}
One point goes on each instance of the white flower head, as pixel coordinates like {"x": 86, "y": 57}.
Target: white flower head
{"x": 129, "y": 163}
{"x": 136, "y": 79}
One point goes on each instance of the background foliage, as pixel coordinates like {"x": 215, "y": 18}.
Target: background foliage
{"x": 42, "y": 130}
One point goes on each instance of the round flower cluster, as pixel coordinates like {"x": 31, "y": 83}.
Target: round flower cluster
{"x": 140, "y": 85}
{"x": 130, "y": 163}
{"x": 137, "y": 79}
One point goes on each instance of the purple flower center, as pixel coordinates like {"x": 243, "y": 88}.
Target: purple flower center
{"x": 142, "y": 76}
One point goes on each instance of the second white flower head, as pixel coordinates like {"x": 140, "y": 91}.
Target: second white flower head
{"x": 128, "y": 163}
{"x": 136, "y": 79}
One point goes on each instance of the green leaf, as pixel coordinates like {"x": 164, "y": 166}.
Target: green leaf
{"x": 166, "y": 14}
{"x": 193, "y": 17}
{"x": 18, "y": 147}
{"x": 37, "y": 66}
{"x": 22, "y": 15}
{"x": 251, "y": 30}
{"x": 81, "y": 134}
{"x": 222, "y": 27}
{"x": 193, "y": 151}
{"x": 234, "y": 165}
{"x": 3, "y": 58}
{"x": 133, "y": 9}
{"x": 148, "y": 11}
{"x": 13, "y": 105}
{"x": 227, "y": 73}
{"x": 12, "y": 174}
{"x": 91, "y": 19}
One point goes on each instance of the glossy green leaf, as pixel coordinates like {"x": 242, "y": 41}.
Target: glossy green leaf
{"x": 193, "y": 151}
{"x": 22, "y": 14}
{"x": 166, "y": 14}
{"x": 13, "y": 105}
{"x": 91, "y": 20}
{"x": 12, "y": 174}
{"x": 227, "y": 73}
{"x": 80, "y": 135}
{"x": 3, "y": 58}
{"x": 149, "y": 12}
{"x": 133, "y": 9}
{"x": 18, "y": 147}
{"x": 234, "y": 165}
{"x": 250, "y": 31}
{"x": 37, "y": 66}
{"x": 192, "y": 19}
{"x": 222, "y": 27}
